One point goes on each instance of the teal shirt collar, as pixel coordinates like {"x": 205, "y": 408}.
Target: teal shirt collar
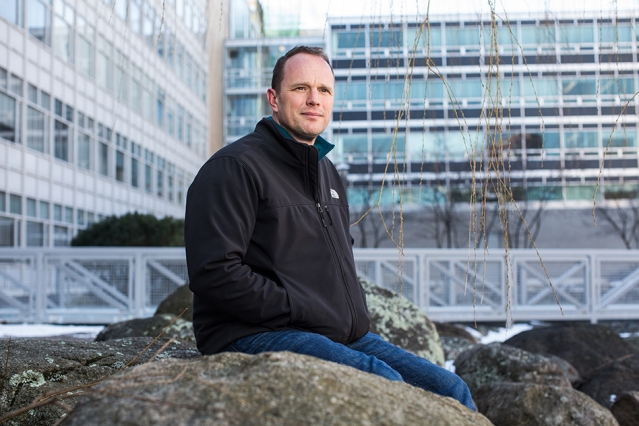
{"x": 322, "y": 145}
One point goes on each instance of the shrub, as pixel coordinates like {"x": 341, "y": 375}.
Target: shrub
{"x": 133, "y": 230}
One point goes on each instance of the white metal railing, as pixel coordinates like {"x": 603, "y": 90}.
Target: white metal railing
{"x": 102, "y": 285}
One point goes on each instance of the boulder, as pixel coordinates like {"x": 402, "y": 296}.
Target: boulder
{"x": 454, "y": 346}
{"x": 585, "y": 346}
{"x": 613, "y": 378}
{"x": 626, "y": 409}
{"x": 527, "y": 404}
{"x": 38, "y": 367}
{"x": 267, "y": 389}
{"x": 445, "y": 329}
{"x": 149, "y": 327}
{"x": 176, "y": 302}
{"x": 502, "y": 363}
{"x": 402, "y": 323}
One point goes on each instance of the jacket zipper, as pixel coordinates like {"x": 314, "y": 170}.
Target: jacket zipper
{"x": 320, "y": 212}
{"x": 349, "y": 297}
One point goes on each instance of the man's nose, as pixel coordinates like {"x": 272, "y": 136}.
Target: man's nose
{"x": 313, "y": 97}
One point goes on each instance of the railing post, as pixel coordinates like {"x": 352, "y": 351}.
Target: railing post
{"x": 40, "y": 288}
{"x": 140, "y": 284}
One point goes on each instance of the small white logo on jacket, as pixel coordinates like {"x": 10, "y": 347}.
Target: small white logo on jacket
{"x": 334, "y": 193}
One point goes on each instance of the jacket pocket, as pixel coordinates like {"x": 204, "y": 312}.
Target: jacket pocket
{"x": 291, "y": 302}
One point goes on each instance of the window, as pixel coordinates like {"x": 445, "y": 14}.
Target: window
{"x": 576, "y": 34}
{"x": 84, "y": 151}
{"x": 135, "y": 172}
{"x": 68, "y": 215}
{"x": 119, "y": 166}
{"x": 386, "y": 38}
{"x": 32, "y": 207}
{"x": 80, "y": 217}
{"x": 121, "y": 8}
{"x": 456, "y": 36}
{"x": 147, "y": 24}
{"x": 16, "y": 85}
{"x": 37, "y": 130}
{"x": 7, "y": 232}
{"x": 32, "y": 94}
{"x": 35, "y": 234}
{"x": 45, "y": 100}
{"x": 11, "y": 10}
{"x": 63, "y": 33}
{"x": 44, "y": 210}
{"x": 615, "y": 33}
{"x": 39, "y": 21}
{"x": 581, "y": 139}
{"x": 544, "y": 34}
{"x": 9, "y": 118}
{"x": 60, "y": 236}
{"x": 349, "y": 40}
{"x": 15, "y": 204}
{"x": 57, "y": 212}
{"x": 61, "y": 141}
{"x": 135, "y": 16}
{"x": 579, "y": 87}
{"x": 85, "y": 51}
{"x": 103, "y": 159}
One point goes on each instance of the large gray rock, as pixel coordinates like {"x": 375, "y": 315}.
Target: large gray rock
{"x": 586, "y": 346}
{"x": 626, "y": 409}
{"x": 526, "y": 404}
{"x": 402, "y": 323}
{"x": 613, "y": 378}
{"x": 454, "y": 339}
{"x": 267, "y": 389}
{"x": 149, "y": 327}
{"x": 502, "y": 363}
{"x": 39, "y": 367}
{"x": 176, "y": 302}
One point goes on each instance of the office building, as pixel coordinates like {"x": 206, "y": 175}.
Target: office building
{"x": 435, "y": 108}
{"x": 103, "y": 111}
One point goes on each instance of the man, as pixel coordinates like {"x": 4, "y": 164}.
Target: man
{"x": 269, "y": 248}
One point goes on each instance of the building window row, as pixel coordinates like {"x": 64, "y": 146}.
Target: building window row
{"x": 45, "y": 224}
{"x": 529, "y": 36}
{"x": 56, "y": 128}
{"x": 441, "y": 144}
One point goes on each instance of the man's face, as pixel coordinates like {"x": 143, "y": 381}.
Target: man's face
{"x": 304, "y": 102}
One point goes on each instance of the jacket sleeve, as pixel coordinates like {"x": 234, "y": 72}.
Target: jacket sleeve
{"x": 221, "y": 210}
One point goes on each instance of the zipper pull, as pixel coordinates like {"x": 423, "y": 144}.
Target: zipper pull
{"x": 328, "y": 213}
{"x": 321, "y": 213}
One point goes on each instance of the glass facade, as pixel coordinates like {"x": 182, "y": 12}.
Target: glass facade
{"x": 105, "y": 90}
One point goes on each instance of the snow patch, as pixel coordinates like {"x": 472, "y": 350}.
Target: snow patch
{"x": 47, "y": 330}
{"x": 502, "y": 334}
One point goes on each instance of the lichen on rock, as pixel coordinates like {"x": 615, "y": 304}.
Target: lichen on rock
{"x": 402, "y": 323}
{"x": 32, "y": 378}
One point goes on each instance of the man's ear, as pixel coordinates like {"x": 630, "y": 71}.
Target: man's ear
{"x": 272, "y": 98}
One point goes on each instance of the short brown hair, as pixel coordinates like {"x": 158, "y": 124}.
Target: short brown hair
{"x": 278, "y": 70}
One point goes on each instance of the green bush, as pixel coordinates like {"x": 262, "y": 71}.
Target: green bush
{"x": 133, "y": 230}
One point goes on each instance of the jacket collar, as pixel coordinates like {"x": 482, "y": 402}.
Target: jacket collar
{"x": 322, "y": 145}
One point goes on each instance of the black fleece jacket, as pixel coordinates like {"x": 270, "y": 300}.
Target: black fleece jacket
{"x": 268, "y": 245}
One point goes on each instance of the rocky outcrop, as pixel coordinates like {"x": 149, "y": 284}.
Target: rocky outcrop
{"x": 40, "y": 367}
{"x": 177, "y": 302}
{"x": 608, "y": 365}
{"x": 495, "y": 363}
{"x": 585, "y": 346}
{"x": 454, "y": 339}
{"x": 613, "y": 378}
{"x": 525, "y": 404}
{"x": 626, "y": 409}
{"x": 402, "y": 323}
{"x": 268, "y": 389}
{"x": 149, "y": 327}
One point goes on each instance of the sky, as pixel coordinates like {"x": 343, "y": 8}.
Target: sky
{"x": 313, "y": 13}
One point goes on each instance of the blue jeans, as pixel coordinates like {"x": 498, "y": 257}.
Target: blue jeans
{"x": 371, "y": 354}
